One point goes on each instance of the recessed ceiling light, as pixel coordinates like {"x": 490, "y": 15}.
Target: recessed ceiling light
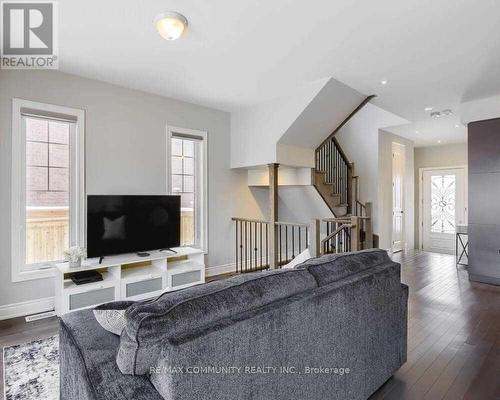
{"x": 457, "y": 126}
{"x": 170, "y": 25}
{"x": 428, "y": 108}
{"x": 417, "y": 131}
{"x": 383, "y": 82}
{"x": 439, "y": 141}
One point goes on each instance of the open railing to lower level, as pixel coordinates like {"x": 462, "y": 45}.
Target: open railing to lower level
{"x": 252, "y": 245}
{"x": 263, "y": 245}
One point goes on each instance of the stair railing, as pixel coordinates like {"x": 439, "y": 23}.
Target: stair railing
{"x": 293, "y": 238}
{"x": 331, "y": 160}
{"x": 338, "y": 241}
{"x": 253, "y": 250}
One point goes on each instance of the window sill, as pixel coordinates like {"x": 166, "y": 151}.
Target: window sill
{"x": 22, "y": 276}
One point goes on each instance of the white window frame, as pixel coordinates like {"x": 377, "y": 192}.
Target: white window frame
{"x": 201, "y": 212}
{"x": 20, "y": 270}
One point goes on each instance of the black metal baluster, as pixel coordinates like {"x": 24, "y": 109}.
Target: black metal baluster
{"x": 300, "y": 241}
{"x": 307, "y": 236}
{"x": 279, "y": 244}
{"x": 267, "y": 245}
{"x": 255, "y": 248}
{"x": 286, "y": 243}
{"x": 260, "y": 246}
{"x": 236, "y": 241}
{"x": 245, "y": 246}
{"x": 249, "y": 247}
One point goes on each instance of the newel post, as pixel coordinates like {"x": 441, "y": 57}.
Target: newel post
{"x": 369, "y": 227}
{"x": 355, "y": 233}
{"x": 273, "y": 215}
{"x": 315, "y": 238}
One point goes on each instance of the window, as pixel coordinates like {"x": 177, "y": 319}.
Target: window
{"x": 443, "y": 204}
{"x": 47, "y": 175}
{"x": 187, "y": 178}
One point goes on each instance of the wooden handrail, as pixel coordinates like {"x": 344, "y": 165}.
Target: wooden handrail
{"x": 292, "y": 224}
{"x": 249, "y": 220}
{"x": 267, "y": 222}
{"x": 336, "y": 232}
{"x": 345, "y": 121}
{"x": 341, "y": 219}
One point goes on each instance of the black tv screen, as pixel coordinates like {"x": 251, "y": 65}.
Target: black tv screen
{"x": 129, "y": 224}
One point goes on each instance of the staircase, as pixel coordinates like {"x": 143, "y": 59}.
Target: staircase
{"x": 333, "y": 175}
{"x": 349, "y": 230}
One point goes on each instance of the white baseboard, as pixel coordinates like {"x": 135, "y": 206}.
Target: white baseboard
{"x": 26, "y": 308}
{"x": 220, "y": 269}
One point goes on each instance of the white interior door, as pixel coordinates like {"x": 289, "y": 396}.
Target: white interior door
{"x": 444, "y": 206}
{"x": 398, "y": 168}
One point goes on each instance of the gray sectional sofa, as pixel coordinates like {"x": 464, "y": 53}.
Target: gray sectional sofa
{"x": 334, "y": 327}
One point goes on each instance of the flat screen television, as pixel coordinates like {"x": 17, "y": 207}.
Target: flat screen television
{"x": 129, "y": 224}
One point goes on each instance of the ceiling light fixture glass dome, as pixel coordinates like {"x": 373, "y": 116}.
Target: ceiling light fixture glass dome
{"x": 170, "y": 25}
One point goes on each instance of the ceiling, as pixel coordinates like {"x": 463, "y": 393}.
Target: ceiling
{"x": 239, "y": 53}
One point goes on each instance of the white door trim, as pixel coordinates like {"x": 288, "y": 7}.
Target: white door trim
{"x": 402, "y": 150}
{"x": 421, "y": 197}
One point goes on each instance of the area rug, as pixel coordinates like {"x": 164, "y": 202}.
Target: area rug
{"x": 31, "y": 370}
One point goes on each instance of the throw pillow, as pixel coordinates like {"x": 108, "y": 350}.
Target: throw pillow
{"x": 304, "y": 256}
{"x": 111, "y": 316}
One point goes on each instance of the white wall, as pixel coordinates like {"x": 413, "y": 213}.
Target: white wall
{"x": 386, "y": 140}
{"x": 286, "y": 177}
{"x": 480, "y": 110}
{"x": 297, "y": 123}
{"x": 359, "y": 139}
{"x": 450, "y": 155}
{"x": 255, "y": 130}
{"x": 125, "y": 153}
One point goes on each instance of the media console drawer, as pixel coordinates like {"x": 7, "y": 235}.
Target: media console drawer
{"x": 91, "y": 297}
{"x": 184, "y": 274}
{"x": 185, "y": 278}
{"x": 143, "y": 288}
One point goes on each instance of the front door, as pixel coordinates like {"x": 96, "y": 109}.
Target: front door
{"x": 443, "y": 208}
{"x": 398, "y": 168}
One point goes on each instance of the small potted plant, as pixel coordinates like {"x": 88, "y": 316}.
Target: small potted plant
{"x": 74, "y": 255}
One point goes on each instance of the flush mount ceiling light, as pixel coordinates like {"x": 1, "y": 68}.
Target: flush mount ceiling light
{"x": 444, "y": 113}
{"x": 383, "y": 82}
{"x": 170, "y": 25}
{"x": 428, "y": 108}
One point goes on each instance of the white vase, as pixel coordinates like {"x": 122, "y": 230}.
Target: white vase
{"x": 75, "y": 264}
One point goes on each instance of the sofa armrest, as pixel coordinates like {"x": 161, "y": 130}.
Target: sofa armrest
{"x": 74, "y": 382}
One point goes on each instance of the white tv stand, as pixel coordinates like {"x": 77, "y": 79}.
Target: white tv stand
{"x": 128, "y": 277}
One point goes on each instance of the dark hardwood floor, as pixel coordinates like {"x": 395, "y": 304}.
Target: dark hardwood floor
{"x": 453, "y": 334}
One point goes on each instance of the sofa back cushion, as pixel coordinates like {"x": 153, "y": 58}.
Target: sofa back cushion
{"x": 156, "y": 323}
{"x": 333, "y": 267}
